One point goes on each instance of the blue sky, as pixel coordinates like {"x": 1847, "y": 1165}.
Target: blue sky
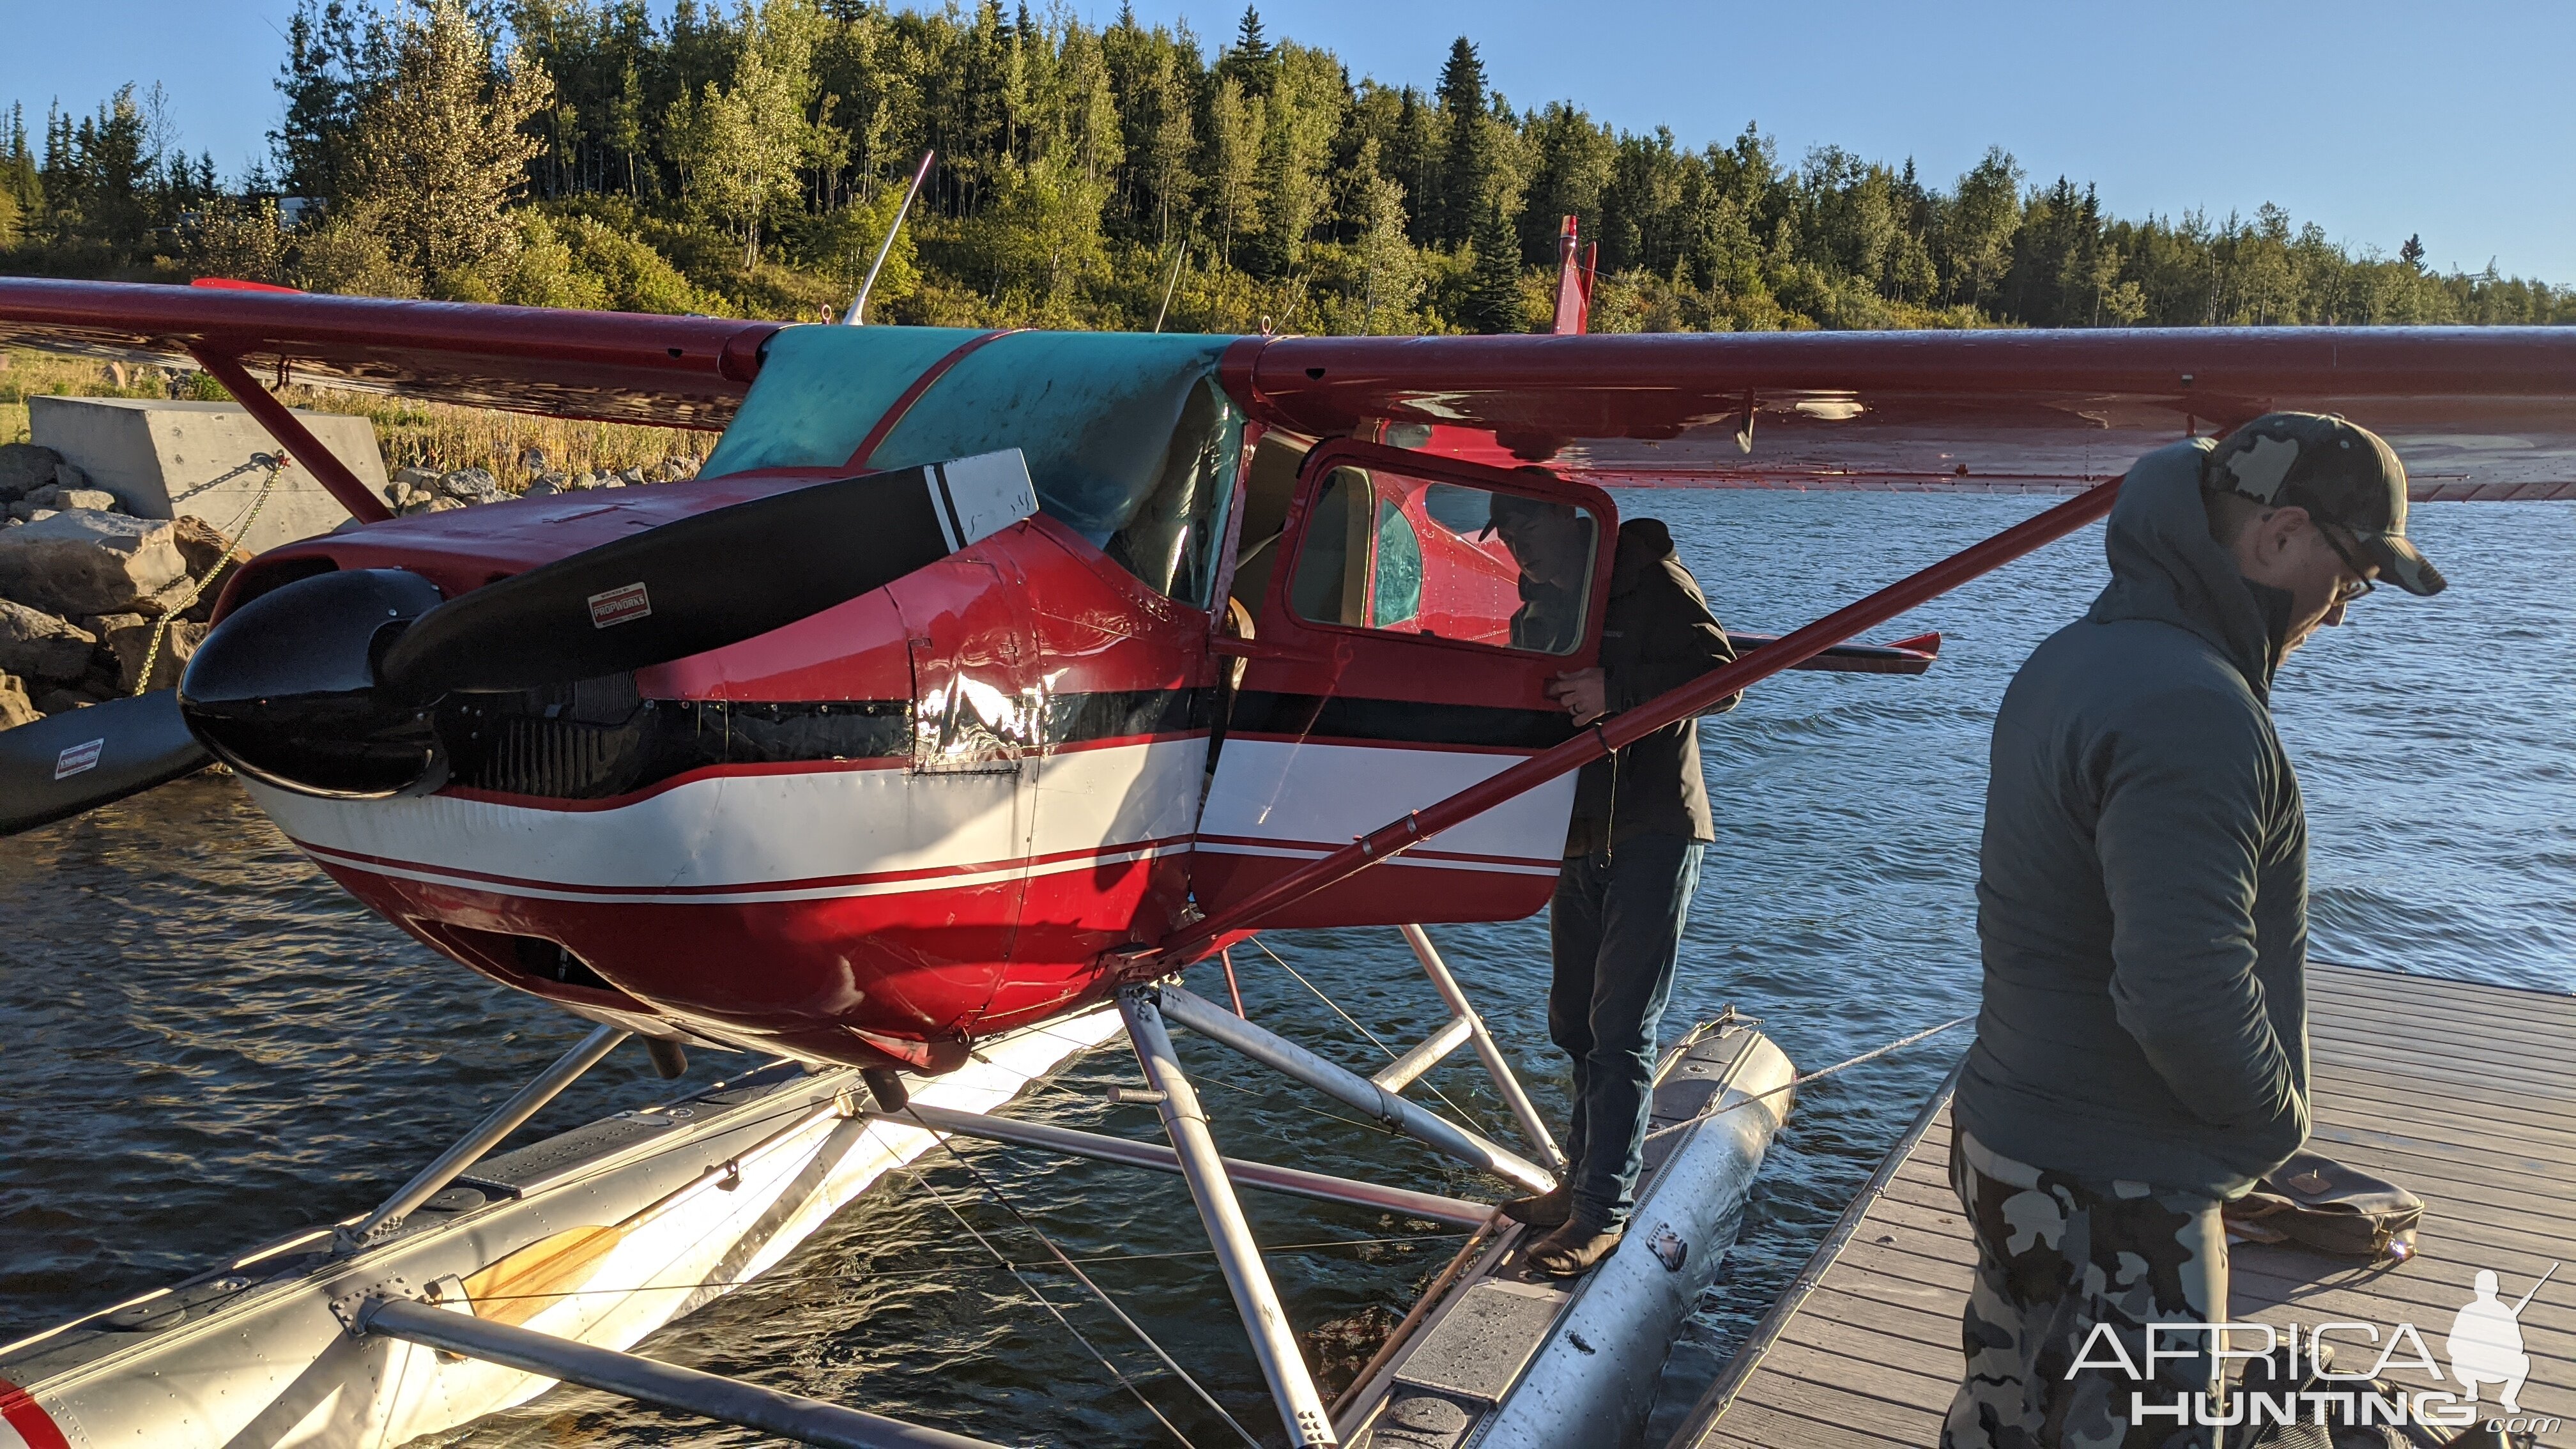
{"x": 2375, "y": 120}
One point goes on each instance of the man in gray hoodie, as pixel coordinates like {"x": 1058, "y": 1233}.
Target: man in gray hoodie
{"x": 2142, "y": 1055}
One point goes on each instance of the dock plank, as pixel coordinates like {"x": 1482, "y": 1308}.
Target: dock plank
{"x": 2462, "y": 1091}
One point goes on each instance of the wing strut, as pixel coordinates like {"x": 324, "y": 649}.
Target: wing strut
{"x": 1623, "y": 729}
{"x": 292, "y": 435}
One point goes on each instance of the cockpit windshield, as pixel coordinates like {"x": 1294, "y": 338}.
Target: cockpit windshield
{"x": 1129, "y": 439}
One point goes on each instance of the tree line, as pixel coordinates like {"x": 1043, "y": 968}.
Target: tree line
{"x": 584, "y": 153}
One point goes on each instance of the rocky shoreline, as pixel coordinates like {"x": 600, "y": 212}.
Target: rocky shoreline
{"x": 96, "y": 604}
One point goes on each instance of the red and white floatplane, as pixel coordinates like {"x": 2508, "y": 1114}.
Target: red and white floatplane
{"x": 981, "y": 683}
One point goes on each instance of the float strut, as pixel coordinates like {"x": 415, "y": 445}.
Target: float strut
{"x": 1274, "y": 1345}
{"x": 807, "y": 1421}
{"x": 1419, "y": 1123}
{"x": 1296, "y": 1182}
{"x": 505, "y": 1119}
{"x": 1532, "y": 1126}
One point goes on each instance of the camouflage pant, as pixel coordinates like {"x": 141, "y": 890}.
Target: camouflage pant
{"x": 2055, "y": 1258}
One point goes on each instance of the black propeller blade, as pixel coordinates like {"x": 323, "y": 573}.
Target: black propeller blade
{"x": 66, "y": 763}
{"x": 330, "y": 685}
{"x": 705, "y": 581}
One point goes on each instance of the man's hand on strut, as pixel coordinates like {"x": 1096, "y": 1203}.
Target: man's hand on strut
{"x": 1585, "y": 693}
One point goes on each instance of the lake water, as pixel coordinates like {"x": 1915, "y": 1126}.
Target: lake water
{"x": 209, "y": 1045}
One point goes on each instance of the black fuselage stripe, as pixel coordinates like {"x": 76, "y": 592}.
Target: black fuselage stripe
{"x": 1397, "y": 721}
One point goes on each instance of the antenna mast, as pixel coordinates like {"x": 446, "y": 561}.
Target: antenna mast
{"x": 858, "y": 314}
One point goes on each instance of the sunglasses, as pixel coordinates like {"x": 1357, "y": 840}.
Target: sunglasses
{"x": 2360, "y": 582}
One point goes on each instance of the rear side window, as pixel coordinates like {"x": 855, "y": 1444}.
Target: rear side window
{"x": 1407, "y": 555}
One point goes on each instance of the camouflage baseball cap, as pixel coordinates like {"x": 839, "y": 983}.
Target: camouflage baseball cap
{"x": 2342, "y": 474}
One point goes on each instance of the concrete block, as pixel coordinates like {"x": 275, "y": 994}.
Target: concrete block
{"x": 163, "y": 459}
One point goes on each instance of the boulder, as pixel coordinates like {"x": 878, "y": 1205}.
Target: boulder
{"x": 202, "y": 545}
{"x": 26, "y": 512}
{"x": 61, "y": 701}
{"x": 411, "y": 484}
{"x": 41, "y": 646}
{"x": 85, "y": 562}
{"x": 542, "y": 488}
{"x": 633, "y": 476}
{"x": 25, "y": 467}
{"x": 470, "y": 485}
{"x": 132, "y": 642}
{"x": 68, "y": 476}
{"x": 96, "y": 499}
{"x": 15, "y": 707}
{"x": 534, "y": 459}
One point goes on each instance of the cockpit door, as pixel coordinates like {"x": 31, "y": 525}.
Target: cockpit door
{"x": 1411, "y": 614}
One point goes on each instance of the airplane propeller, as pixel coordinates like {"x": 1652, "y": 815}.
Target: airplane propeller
{"x": 329, "y": 685}
{"x": 66, "y": 763}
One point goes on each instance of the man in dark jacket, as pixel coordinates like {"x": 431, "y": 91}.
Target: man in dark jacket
{"x": 2142, "y": 907}
{"x": 1632, "y": 855}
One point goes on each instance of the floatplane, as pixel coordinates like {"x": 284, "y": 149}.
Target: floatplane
{"x": 981, "y": 683}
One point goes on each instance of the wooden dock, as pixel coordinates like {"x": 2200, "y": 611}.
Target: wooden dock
{"x": 2464, "y": 1093}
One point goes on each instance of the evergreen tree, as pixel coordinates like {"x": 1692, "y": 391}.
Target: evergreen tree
{"x": 1467, "y": 151}
{"x": 1494, "y": 293}
{"x": 324, "y": 86}
{"x": 1249, "y": 60}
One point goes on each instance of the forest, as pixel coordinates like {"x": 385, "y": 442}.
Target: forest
{"x": 585, "y": 153}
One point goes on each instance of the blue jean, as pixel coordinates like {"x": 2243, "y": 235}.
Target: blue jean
{"x": 1614, "y": 930}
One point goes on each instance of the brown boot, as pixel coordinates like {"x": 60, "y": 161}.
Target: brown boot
{"x": 1549, "y": 1209}
{"x": 1573, "y": 1250}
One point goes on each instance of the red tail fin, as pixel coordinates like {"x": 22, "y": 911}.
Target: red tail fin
{"x": 1573, "y": 282}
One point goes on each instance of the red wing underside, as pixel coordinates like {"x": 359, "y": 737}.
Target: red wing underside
{"x": 682, "y": 372}
{"x": 2475, "y": 412}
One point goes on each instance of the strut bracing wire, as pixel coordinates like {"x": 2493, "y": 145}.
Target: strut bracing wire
{"x": 1873, "y": 1054}
{"x": 994, "y": 1189}
{"x": 1473, "y": 1119}
{"x": 1049, "y": 1304}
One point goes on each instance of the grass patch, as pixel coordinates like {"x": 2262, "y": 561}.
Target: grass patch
{"x": 408, "y": 433}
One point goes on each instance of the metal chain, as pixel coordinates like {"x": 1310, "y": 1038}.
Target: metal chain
{"x": 223, "y": 560}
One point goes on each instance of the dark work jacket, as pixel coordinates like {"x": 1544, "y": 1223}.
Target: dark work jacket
{"x": 2142, "y": 889}
{"x": 1657, "y": 636}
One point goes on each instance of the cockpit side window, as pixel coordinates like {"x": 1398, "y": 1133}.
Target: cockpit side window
{"x": 1170, "y": 539}
{"x": 1407, "y": 555}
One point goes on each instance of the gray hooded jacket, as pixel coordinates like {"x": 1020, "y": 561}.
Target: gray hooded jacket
{"x": 2142, "y": 890}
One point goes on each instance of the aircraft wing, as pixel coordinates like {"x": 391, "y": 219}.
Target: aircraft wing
{"x": 2475, "y": 412}
{"x": 687, "y": 372}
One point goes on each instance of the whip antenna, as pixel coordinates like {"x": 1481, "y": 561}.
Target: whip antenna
{"x": 858, "y": 314}
{"x": 1177, "y": 258}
